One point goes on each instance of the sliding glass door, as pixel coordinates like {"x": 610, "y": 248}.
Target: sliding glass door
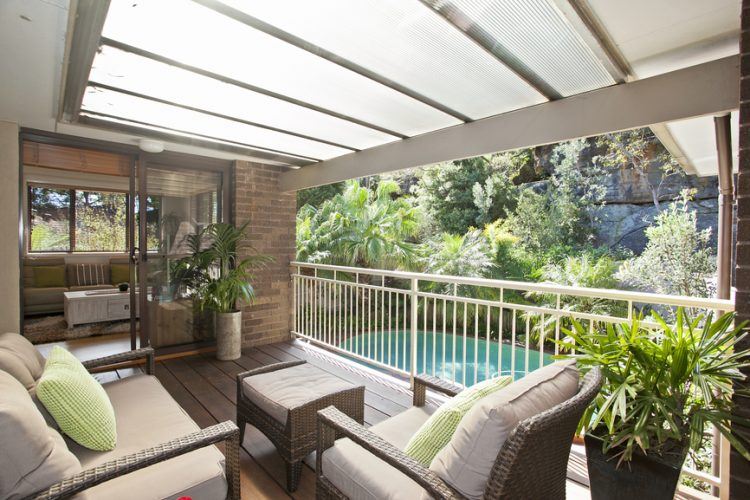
{"x": 174, "y": 204}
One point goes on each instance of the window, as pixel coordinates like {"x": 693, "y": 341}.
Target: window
{"x": 100, "y": 221}
{"x": 49, "y": 219}
{"x": 76, "y": 220}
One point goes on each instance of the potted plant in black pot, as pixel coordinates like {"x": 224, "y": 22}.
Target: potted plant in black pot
{"x": 664, "y": 385}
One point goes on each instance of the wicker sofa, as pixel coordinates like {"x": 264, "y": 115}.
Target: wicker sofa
{"x": 160, "y": 454}
{"x": 530, "y": 463}
{"x": 49, "y": 299}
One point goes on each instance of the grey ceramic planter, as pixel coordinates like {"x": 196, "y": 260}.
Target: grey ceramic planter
{"x": 228, "y": 335}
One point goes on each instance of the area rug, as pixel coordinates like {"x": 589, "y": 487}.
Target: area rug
{"x": 54, "y": 328}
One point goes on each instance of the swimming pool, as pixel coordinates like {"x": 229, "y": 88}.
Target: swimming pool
{"x": 375, "y": 346}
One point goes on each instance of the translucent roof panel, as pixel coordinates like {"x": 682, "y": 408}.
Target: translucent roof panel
{"x": 195, "y": 35}
{"x": 163, "y": 115}
{"x": 408, "y": 43}
{"x": 536, "y": 32}
{"x": 286, "y": 160}
{"x": 138, "y": 74}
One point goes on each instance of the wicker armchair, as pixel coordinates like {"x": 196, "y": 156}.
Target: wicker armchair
{"x": 223, "y": 432}
{"x": 531, "y": 464}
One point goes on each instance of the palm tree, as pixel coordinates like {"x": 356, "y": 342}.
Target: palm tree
{"x": 360, "y": 227}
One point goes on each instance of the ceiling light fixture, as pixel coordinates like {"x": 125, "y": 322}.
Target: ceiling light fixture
{"x": 151, "y": 146}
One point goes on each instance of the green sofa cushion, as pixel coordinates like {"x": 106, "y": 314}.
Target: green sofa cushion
{"x": 438, "y": 430}
{"x": 77, "y": 402}
{"x": 49, "y": 276}
{"x": 120, "y": 273}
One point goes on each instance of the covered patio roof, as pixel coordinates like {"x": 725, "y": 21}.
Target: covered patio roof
{"x": 338, "y": 89}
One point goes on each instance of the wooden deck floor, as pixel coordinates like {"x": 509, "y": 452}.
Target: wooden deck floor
{"x": 205, "y": 388}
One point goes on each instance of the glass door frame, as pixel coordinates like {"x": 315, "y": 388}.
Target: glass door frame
{"x": 140, "y": 255}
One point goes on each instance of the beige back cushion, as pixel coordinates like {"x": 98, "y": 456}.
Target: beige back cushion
{"x": 88, "y": 274}
{"x": 29, "y": 263}
{"x": 466, "y": 461}
{"x": 33, "y": 455}
{"x": 21, "y": 359}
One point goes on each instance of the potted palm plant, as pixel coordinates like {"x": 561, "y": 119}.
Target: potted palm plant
{"x": 664, "y": 385}
{"x": 219, "y": 281}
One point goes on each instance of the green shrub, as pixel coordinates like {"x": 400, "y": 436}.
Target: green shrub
{"x": 467, "y": 193}
{"x": 467, "y": 255}
{"x": 677, "y": 259}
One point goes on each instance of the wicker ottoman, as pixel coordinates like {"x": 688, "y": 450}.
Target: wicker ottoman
{"x": 282, "y": 401}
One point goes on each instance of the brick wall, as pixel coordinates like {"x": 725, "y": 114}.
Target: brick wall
{"x": 740, "y": 468}
{"x": 272, "y": 232}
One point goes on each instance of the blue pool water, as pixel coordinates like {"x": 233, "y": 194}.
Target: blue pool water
{"x": 375, "y": 346}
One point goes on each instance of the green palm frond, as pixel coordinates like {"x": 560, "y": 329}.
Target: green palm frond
{"x": 663, "y": 385}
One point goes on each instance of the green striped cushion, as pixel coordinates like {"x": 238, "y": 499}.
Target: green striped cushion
{"x": 438, "y": 430}
{"x": 77, "y": 402}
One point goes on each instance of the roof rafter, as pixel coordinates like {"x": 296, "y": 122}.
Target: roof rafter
{"x": 217, "y": 115}
{"x": 298, "y": 42}
{"x": 695, "y": 91}
{"x": 199, "y": 71}
{"x": 464, "y": 25}
{"x": 583, "y": 20}
{"x": 146, "y": 129}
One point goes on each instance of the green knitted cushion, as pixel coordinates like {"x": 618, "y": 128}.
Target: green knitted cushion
{"x": 120, "y": 273}
{"x": 438, "y": 430}
{"x": 49, "y": 276}
{"x": 77, "y": 402}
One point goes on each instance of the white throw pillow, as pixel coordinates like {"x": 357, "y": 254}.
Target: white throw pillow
{"x": 466, "y": 461}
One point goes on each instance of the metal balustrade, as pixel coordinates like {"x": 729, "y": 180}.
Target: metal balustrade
{"x": 458, "y": 328}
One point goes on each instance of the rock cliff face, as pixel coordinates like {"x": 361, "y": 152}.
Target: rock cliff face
{"x": 628, "y": 205}
{"x": 624, "y": 224}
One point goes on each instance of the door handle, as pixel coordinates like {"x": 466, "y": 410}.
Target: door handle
{"x": 134, "y": 255}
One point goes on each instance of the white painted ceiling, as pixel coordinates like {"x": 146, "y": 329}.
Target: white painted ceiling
{"x": 653, "y": 36}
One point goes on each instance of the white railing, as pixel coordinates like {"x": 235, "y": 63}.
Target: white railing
{"x": 460, "y": 329}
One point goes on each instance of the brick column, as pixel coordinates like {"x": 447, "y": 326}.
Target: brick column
{"x": 272, "y": 232}
{"x": 740, "y": 468}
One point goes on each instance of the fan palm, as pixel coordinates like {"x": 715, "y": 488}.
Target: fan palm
{"x": 360, "y": 227}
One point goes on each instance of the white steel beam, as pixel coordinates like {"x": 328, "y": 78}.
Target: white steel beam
{"x": 708, "y": 88}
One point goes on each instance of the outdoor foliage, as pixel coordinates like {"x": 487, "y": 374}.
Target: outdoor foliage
{"x": 663, "y": 385}
{"x": 470, "y": 218}
{"x": 465, "y": 255}
{"x": 558, "y": 216}
{"x": 640, "y": 150}
{"x": 360, "y": 227}
{"x": 318, "y": 195}
{"x": 677, "y": 260}
{"x": 468, "y": 193}
{"x": 588, "y": 271}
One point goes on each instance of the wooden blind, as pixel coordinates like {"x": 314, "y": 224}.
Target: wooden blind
{"x": 75, "y": 159}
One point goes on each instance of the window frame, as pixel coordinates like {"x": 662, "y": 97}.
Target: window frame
{"x": 71, "y": 216}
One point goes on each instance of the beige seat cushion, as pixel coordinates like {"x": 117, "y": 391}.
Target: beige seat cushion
{"x": 43, "y": 296}
{"x": 467, "y": 460}
{"x": 146, "y": 416}
{"x": 21, "y": 359}
{"x": 32, "y": 455}
{"x": 362, "y": 476}
{"x": 279, "y": 391}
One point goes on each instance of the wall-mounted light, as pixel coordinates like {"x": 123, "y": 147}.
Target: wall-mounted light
{"x": 151, "y": 146}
